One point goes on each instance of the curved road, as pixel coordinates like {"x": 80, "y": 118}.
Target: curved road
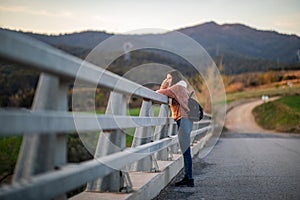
{"x": 240, "y": 118}
{"x": 244, "y": 166}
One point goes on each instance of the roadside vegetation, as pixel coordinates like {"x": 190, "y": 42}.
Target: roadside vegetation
{"x": 255, "y": 85}
{"x": 282, "y": 115}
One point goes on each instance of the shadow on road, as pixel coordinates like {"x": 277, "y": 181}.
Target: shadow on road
{"x": 229, "y": 134}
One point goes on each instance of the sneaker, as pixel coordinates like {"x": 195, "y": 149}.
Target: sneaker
{"x": 185, "y": 182}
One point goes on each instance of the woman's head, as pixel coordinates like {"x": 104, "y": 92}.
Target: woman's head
{"x": 175, "y": 77}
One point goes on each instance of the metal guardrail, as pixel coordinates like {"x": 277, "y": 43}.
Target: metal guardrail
{"x": 42, "y": 170}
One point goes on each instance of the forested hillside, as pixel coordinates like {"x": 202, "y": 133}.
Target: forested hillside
{"x": 240, "y": 48}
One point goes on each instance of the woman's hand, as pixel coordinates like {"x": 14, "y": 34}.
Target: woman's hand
{"x": 164, "y": 84}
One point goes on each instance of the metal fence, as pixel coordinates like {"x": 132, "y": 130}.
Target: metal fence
{"x": 42, "y": 170}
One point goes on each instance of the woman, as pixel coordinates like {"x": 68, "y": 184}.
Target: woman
{"x": 176, "y": 88}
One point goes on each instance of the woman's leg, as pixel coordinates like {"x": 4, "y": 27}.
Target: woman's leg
{"x": 188, "y": 164}
{"x": 184, "y": 132}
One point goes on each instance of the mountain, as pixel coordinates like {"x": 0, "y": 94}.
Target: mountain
{"x": 244, "y": 40}
{"x": 240, "y": 48}
{"x": 85, "y": 39}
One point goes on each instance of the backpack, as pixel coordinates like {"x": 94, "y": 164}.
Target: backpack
{"x": 196, "y": 110}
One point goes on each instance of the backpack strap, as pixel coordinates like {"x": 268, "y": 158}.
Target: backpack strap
{"x": 191, "y": 94}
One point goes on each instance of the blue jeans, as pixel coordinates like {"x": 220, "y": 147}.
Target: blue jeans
{"x": 185, "y": 126}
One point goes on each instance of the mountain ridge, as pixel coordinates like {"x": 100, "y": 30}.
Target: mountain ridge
{"x": 242, "y": 37}
{"x": 239, "y": 47}
{"x": 213, "y": 23}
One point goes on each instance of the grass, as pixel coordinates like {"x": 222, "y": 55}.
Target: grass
{"x": 129, "y": 136}
{"x": 292, "y": 101}
{"x": 9, "y": 150}
{"x": 136, "y": 111}
{"x": 282, "y": 115}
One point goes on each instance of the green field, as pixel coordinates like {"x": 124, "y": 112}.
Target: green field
{"x": 292, "y": 101}
{"x": 9, "y": 149}
{"x": 282, "y": 115}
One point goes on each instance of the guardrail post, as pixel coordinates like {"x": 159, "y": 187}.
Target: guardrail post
{"x": 111, "y": 142}
{"x": 172, "y": 132}
{"x": 162, "y": 132}
{"x": 142, "y": 136}
{"x": 42, "y": 153}
{"x": 195, "y": 127}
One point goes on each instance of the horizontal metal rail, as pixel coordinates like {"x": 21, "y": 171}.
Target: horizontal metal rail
{"x": 44, "y": 58}
{"x": 199, "y": 131}
{"x": 51, "y": 184}
{"x": 42, "y": 122}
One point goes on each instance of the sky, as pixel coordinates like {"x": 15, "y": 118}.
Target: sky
{"x": 122, "y": 16}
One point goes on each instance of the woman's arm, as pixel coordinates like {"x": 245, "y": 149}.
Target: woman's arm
{"x": 164, "y": 89}
{"x": 166, "y": 92}
{"x": 164, "y": 84}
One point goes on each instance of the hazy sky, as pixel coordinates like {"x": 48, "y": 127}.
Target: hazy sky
{"x": 119, "y": 16}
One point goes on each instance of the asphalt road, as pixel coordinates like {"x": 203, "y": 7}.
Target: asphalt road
{"x": 245, "y": 166}
{"x": 248, "y": 162}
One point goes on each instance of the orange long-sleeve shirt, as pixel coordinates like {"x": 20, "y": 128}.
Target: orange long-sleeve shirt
{"x": 179, "y": 95}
